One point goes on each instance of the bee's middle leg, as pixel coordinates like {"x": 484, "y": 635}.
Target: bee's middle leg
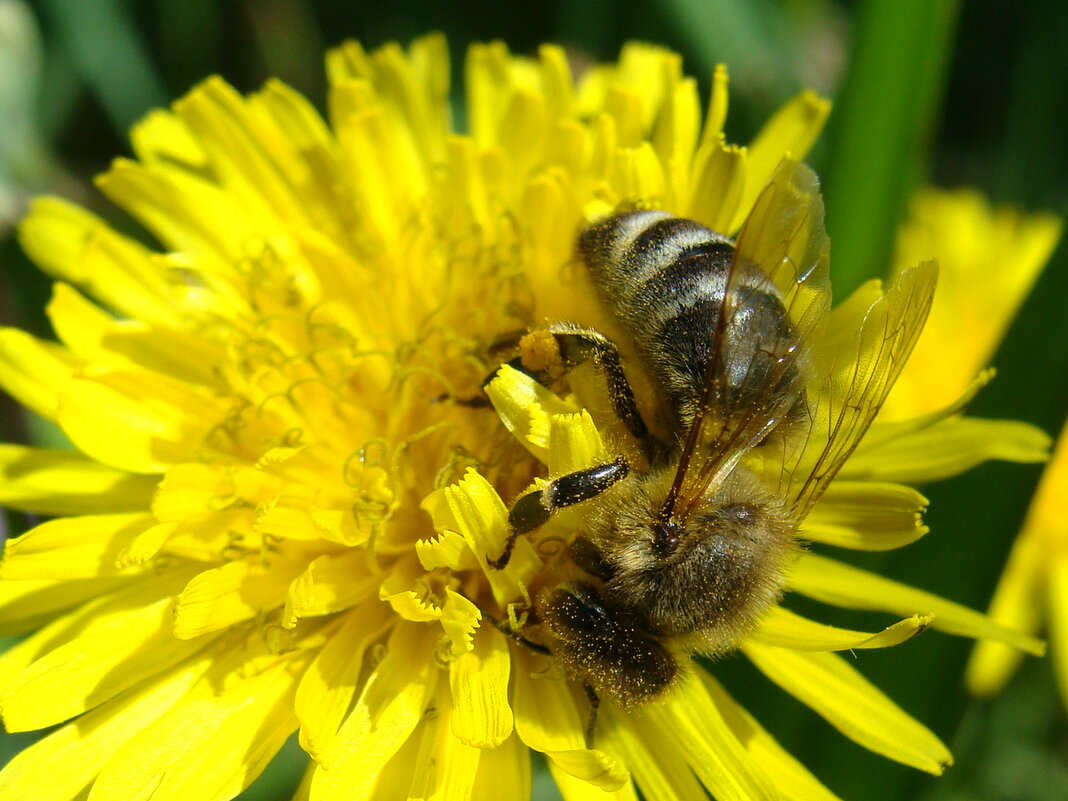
{"x": 535, "y": 508}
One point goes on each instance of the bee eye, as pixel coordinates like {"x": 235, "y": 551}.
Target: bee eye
{"x": 579, "y": 608}
{"x": 666, "y": 538}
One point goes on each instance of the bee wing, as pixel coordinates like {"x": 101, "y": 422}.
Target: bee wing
{"x": 853, "y": 375}
{"x": 781, "y": 252}
{"x": 785, "y": 237}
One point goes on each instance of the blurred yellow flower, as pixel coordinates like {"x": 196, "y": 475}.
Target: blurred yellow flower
{"x": 275, "y": 520}
{"x": 988, "y": 260}
{"x": 1033, "y": 591}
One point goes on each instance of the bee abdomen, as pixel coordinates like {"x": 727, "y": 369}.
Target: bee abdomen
{"x": 649, "y": 261}
{"x": 664, "y": 280}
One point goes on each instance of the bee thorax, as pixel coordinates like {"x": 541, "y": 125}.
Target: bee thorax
{"x": 712, "y": 574}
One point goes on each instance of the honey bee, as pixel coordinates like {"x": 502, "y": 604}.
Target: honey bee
{"x": 684, "y": 548}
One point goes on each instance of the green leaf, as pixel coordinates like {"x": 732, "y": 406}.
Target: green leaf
{"x": 879, "y": 132}
{"x": 109, "y": 53}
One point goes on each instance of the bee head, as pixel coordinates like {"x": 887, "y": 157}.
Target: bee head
{"x": 604, "y": 645}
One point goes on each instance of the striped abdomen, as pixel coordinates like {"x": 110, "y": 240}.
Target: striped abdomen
{"x": 663, "y": 279}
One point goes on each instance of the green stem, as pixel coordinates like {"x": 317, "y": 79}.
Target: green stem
{"x": 881, "y": 128}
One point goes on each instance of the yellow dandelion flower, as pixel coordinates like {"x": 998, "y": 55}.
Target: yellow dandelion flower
{"x": 1002, "y": 253}
{"x": 1031, "y": 593}
{"x": 989, "y": 259}
{"x": 281, "y": 510}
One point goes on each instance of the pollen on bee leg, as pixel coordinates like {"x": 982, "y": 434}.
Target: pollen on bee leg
{"x": 539, "y": 351}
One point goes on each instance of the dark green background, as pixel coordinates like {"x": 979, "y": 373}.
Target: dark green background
{"x": 956, "y": 93}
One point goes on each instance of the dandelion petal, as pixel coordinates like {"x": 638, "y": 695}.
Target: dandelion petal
{"x": 658, "y": 768}
{"x": 387, "y": 711}
{"x": 1017, "y": 603}
{"x": 479, "y": 680}
{"x": 56, "y": 482}
{"x": 694, "y": 725}
{"x": 127, "y": 640}
{"x": 73, "y": 547}
{"x": 843, "y": 585}
{"x": 213, "y": 743}
{"x": 852, "y": 705}
{"x": 949, "y": 447}
{"x": 548, "y": 720}
{"x": 83, "y": 746}
{"x": 791, "y": 778}
{"x": 867, "y": 516}
{"x": 504, "y": 772}
{"x": 573, "y": 788}
{"x": 444, "y": 768}
{"x": 34, "y": 372}
{"x": 781, "y": 627}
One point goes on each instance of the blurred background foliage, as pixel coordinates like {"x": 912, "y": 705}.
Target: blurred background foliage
{"x": 926, "y": 90}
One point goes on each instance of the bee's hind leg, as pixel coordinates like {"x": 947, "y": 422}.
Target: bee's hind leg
{"x": 575, "y": 345}
{"x": 545, "y": 354}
